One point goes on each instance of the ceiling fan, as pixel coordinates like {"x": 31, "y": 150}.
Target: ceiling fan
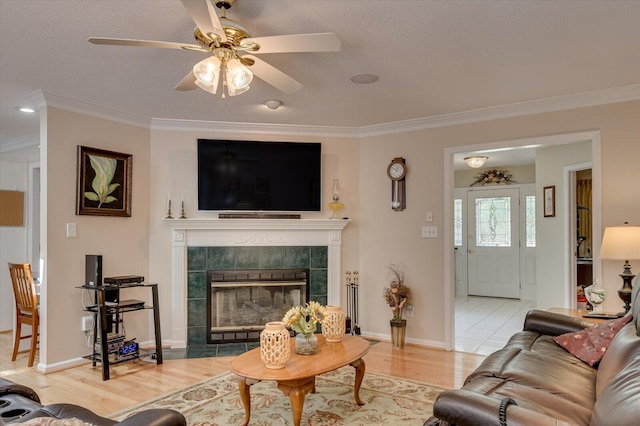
{"x": 232, "y": 51}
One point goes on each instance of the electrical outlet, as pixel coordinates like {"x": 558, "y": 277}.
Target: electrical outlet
{"x": 408, "y": 312}
{"x": 87, "y": 323}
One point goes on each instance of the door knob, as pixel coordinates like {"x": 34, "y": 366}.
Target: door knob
{"x": 470, "y": 250}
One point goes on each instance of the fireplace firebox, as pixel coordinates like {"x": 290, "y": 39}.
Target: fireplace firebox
{"x": 241, "y": 302}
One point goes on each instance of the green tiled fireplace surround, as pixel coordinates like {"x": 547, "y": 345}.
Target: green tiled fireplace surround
{"x": 202, "y": 259}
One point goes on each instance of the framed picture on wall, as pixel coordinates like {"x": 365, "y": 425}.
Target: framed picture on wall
{"x": 549, "y": 193}
{"x": 103, "y": 183}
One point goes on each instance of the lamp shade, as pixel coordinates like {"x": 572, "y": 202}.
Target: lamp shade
{"x": 476, "y": 161}
{"x": 621, "y": 243}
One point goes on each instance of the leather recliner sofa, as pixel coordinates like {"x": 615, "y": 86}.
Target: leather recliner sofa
{"x": 538, "y": 382}
{"x": 20, "y": 404}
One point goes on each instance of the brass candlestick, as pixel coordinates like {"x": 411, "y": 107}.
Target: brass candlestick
{"x": 182, "y": 216}
{"x": 169, "y": 210}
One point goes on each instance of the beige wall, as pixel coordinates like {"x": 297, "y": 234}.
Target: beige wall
{"x": 387, "y": 236}
{"x": 123, "y": 242}
{"x": 174, "y": 171}
{"x": 552, "y": 261}
{"x": 164, "y": 161}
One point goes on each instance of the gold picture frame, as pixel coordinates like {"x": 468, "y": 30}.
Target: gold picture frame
{"x": 549, "y": 197}
{"x": 103, "y": 182}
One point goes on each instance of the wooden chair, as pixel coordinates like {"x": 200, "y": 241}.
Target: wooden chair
{"x": 26, "y": 298}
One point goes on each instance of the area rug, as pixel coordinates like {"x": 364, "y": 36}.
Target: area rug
{"x": 216, "y": 401}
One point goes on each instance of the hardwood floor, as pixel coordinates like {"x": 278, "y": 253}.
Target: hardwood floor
{"x": 135, "y": 382}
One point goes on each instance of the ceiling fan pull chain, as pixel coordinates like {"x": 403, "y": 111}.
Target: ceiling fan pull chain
{"x": 223, "y": 75}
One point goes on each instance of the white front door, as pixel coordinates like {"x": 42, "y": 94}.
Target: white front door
{"x": 493, "y": 243}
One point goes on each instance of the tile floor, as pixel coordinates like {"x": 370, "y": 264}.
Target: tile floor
{"x": 485, "y": 324}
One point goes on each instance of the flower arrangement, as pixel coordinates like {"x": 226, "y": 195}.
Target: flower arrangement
{"x": 304, "y": 319}
{"x": 494, "y": 176}
{"x": 397, "y": 294}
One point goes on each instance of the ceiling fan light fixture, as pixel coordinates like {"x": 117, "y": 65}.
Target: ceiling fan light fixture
{"x": 235, "y": 92}
{"x": 207, "y": 87}
{"x": 476, "y": 161}
{"x": 207, "y": 71}
{"x": 238, "y": 76}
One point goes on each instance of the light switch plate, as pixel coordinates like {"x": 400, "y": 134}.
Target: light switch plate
{"x": 429, "y": 217}
{"x": 429, "y": 232}
{"x": 71, "y": 230}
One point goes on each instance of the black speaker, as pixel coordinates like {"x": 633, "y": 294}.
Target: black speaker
{"x": 93, "y": 270}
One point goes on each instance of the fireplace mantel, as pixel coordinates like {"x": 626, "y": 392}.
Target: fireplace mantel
{"x": 247, "y": 232}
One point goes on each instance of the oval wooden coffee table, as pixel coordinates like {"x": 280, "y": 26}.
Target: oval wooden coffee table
{"x": 297, "y": 378}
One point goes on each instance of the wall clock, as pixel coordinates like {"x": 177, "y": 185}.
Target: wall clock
{"x": 397, "y": 171}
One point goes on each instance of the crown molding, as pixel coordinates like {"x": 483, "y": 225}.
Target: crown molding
{"x": 20, "y": 143}
{"x": 42, "y": 99}
{"x": 625, "y": 93}
{"x": 254, "y": 128}
{"x": 629, "y": 92}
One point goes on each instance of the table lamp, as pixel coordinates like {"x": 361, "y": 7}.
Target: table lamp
{"x": 622, "y": 243}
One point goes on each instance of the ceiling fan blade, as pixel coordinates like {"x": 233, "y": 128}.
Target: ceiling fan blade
{"x": 205, "y": 17}
{"x": 145, "y": 43}
{"x": 273, "y": 76}
{"x": 319, "y": 42}
{"x": 187, "y": 83}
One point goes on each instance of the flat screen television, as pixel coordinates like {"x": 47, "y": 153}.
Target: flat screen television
{"x": 259, "y": 176}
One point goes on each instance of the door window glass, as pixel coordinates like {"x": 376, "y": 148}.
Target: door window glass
{"x": 493, "y": 222}
{"x": 457, "y": 222}
{"x": 530, "y": 220}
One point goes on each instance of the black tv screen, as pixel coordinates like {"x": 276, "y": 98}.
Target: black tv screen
{"x": 259, "y": 176}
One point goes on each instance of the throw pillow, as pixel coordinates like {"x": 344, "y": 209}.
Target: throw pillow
{"x": 590, "y": 344}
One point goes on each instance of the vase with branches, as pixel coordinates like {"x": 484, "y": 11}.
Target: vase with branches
{"x": 397, "y": 294}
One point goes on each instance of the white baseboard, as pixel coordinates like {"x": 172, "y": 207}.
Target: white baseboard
{"x": 420, "y": 342}
{"x": 62, "y": 365}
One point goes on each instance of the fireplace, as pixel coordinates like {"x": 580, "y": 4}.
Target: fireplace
{"x": 199, "y": 245}
{"x": 241, "y": 302}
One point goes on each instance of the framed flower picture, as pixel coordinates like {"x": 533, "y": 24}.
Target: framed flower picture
{"x": 103, "y": 183}
{"x": 549, "y": 193}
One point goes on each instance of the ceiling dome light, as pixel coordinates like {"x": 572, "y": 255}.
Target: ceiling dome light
{"x": 476, "y": 161}
{"x": 25, "y": 109}
{"x": 273, "y": 103}
{"x": 364, "y": 78}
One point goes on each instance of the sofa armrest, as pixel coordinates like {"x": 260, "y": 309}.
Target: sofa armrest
{"x": 553, "y": 324}
{"x": 8, "y": 387}
{"x": 156, "y": 417}
{"x": 466, "y": 408}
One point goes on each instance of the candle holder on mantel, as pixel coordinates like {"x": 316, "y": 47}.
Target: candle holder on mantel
{"x": 182, "y": 216}
{"x": 336, "y": 205}
{"x": 169, "y": 210}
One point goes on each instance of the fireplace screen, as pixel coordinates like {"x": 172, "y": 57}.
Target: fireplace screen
{"x": 240, "y": 303}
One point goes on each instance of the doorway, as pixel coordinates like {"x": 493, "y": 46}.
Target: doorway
{"x": 495, "y": 242}
{"x": 555, "y": 237}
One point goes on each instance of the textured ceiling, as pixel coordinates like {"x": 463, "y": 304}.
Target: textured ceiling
{"x": 432, "y": 57}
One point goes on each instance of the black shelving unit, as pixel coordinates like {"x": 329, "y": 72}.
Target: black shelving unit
{"x": 107, "y": 320}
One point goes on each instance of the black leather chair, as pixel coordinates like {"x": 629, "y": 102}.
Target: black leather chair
{"x": 20, "y": 403}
